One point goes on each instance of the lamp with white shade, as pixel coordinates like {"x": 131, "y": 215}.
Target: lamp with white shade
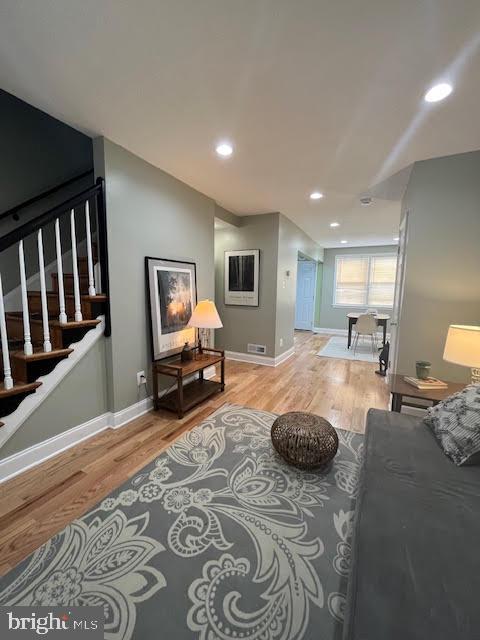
{"x": 205, "y": 316}
{"x": 463, "y": 347}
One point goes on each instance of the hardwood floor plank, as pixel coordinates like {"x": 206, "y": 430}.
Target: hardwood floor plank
{"x": 40, "y": 502}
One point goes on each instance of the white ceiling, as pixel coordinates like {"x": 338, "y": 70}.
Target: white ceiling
{"x": 315, "y": 94}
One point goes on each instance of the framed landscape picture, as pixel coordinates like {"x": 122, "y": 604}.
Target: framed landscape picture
{"x": 172, "y": 297}
{"x": 241, "y": 277}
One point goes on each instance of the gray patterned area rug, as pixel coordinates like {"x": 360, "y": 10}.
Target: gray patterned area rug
{"x": 215, "y": 539}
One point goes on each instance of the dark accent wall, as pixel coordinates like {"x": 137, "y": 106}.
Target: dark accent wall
{"x": 37, "y": 152}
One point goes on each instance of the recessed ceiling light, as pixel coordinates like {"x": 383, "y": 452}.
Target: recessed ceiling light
{"x": 334, "y": 224}
{"x": 343, "y": 241}
{"x": 224, "y": 149}
{"x": 316, "y": 195}
{"x": 438, "y": 92}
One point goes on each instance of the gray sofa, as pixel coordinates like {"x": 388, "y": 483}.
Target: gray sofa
{"x": 416, "y": 540}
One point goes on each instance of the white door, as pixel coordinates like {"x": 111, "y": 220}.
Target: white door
{"x": 306, "y": 281}
{"x": 397, "y": 301}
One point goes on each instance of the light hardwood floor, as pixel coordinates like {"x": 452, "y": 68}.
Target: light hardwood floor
{"x": 41, "y": 501}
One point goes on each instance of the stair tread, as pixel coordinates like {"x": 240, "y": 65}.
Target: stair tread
{"x": 41, "y": 355}
{"x": 100, "y": 297}
{"x": 18, "y": 387}
{"x": 74, "y": 324}
{"x": 37, "y": 318}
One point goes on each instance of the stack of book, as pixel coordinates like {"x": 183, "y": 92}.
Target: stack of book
{"x": 428, "y": 383}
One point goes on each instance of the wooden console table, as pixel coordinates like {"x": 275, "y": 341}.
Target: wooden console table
{"x": 186, "y": 396}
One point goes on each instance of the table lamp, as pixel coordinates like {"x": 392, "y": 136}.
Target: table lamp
{"x": 463, "y": 347}
{"x": 205, "y": 316}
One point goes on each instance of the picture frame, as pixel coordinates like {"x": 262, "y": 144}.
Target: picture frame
{"x": 242, "y": 269}
{"x": 172, "y": 297}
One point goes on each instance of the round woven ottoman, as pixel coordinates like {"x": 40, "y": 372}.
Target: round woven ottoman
{"x": 304, "y": 440}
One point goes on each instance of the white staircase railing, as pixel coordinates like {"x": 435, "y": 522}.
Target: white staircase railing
{"x": 91, "y": 277}
{"x": 62, "y": 316}
{"x": 76, "y": 281}
{"x": 47, "y": 345}
{"x": 27, "y": 339}
{"x": 7, "y": 372}
{"x": 39, "y": 227}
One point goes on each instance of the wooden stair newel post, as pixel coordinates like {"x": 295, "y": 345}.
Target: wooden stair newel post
{"x": 7, "y": 372}
{"x": 27, "y": 339}
{"x": 62, "y": 316}
{"x": 91, "y": 279}
{"x": 47, "y": 346}
{"x": 76, "y": 284}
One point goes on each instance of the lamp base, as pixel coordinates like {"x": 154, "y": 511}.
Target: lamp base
{"x": 203, "y": 339}
{"x": 475, "y": 376}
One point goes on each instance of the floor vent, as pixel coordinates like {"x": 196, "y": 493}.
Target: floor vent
{"x": 256, "y": 348}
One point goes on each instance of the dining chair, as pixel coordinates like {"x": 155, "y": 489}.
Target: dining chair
{"x": 366, "y": 325}
{"x": 375, "y": 313}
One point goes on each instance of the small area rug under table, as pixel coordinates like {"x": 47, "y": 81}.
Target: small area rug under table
{"x": 215, "y": 539}
{"x": 336, "y": 347}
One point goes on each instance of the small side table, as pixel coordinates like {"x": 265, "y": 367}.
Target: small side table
{"x": 401, "y": 390}
{"x": 184, "y": 397}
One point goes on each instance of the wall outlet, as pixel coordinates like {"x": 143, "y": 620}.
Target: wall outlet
{"x": 281, "y": 342}
{"x": 141, "y": 378}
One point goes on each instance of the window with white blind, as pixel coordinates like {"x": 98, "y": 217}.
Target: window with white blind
{"x": 365, "y": 280}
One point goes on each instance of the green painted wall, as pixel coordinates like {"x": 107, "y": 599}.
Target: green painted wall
{"x": 442, "y": 282}
{"x": 272, "y": 322}
{"x": 291, "y": 241}
{"x": 149, "y": 213}
{"x": 242, "y": 325}
{"x": 332, "y": 317}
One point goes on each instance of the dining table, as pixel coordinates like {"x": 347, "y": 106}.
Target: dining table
{"x": 381, "y": 318}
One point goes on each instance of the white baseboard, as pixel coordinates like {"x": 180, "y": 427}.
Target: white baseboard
{"x": 120, "y": 418}
{"x": 266, "y": 361}
{"x": 335, "y": 332}
{"x": 284, "y": 356}
{"x": 38, "y": 453}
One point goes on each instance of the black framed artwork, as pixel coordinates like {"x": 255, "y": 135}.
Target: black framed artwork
{"x": 172, "y": 297}
{"x": 242, "y": 270}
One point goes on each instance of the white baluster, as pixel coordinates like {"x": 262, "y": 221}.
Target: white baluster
{"x": 47, "y": 347}
{"x": 91, "y": 279}
{"x": 76, "y": 285}
{"x": 27, "y": 344}
{"x": 7, "y": 372}
{"x": 61, "y": 292}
